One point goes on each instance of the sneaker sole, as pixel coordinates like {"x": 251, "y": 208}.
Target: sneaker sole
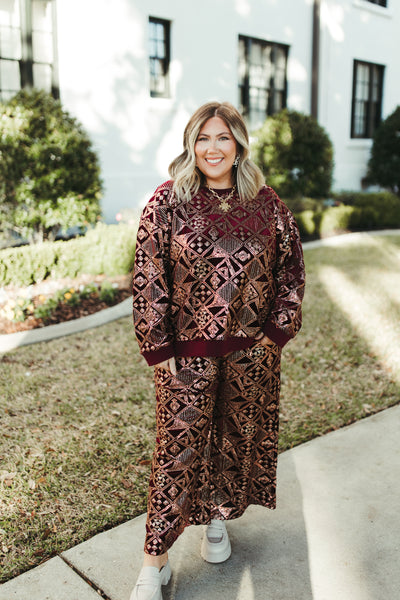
{"x": 214, "y": 555}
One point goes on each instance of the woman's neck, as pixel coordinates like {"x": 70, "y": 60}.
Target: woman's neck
{"x": 219, "y": 185}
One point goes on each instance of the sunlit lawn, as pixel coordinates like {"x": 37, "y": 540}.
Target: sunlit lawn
{"x": 77, "y": 413}
{"x": 345, "y": 363}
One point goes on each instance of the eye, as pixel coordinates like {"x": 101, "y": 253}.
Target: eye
{"x": 224, "y": 138}
{"x": 201, "y": 139}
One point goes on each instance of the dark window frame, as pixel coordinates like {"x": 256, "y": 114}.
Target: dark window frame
{"x": 367, "y": 111}
{"x": 270, "y": 85}
{"x": 26, "y": 62}
{"x": 164, "y": 61}
{"x": 382, "y": 3}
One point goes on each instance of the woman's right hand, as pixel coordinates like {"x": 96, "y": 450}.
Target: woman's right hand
{"x": 169, "y": 365}
{"x": 263, "y": 339}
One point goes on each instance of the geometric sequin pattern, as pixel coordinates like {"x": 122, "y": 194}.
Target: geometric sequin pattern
{"x": 217, "y": 441}
{"x": 202, "y": 273}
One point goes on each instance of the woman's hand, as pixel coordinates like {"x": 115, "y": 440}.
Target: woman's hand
{"x": 169, "y": 365}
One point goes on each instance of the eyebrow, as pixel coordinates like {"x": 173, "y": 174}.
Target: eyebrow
{"x": 218, "y": 134}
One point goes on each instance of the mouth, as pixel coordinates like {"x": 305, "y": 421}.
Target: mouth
{"x": 214, "y": 161}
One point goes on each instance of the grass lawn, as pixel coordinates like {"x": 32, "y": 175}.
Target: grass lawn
{"x": 77, "y": 413}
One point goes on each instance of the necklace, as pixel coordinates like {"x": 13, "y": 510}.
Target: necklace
{"x": 223, "y": 202}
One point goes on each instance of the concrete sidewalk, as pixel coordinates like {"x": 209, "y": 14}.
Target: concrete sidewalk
{"x": 334, "y": 536}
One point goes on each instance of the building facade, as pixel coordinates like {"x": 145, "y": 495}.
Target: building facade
{"x": 133, "y": 71}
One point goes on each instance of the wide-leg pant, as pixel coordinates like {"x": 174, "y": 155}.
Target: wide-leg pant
{"x": 217, "y": 441}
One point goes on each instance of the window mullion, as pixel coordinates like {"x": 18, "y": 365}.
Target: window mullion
{"x": 55, "y": 90}
{"x": 272, "y": 79}
{"x": 354, "y": 102}
{"x": 370, "y": 112}
{"x": 26, "y": 65}
{"x": 247, "y": 77}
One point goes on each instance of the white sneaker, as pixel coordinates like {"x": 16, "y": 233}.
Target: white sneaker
{"x": 216, "y": 547}
{"x": 149, "y": 582}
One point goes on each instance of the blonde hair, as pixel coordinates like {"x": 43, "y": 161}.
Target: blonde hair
{"x": 187, "y": 176}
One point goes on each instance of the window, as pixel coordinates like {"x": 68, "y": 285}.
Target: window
{"x": 27, "y": 46}
{"x": 262, "y": 79}
{"x": 367, "y": 99}
{"x": 42, "y": 43}
{"x": 159, "y": 55}
{"x": 379, "y": 2}
{"x": 10, "y": 48}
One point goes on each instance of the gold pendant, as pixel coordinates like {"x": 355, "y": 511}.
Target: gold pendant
{"x": 225, "y": 206}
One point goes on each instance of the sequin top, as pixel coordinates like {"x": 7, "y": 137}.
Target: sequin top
{"x": 207, "y": 280}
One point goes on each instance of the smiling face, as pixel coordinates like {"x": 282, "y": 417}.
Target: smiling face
{"x": 215, "y": 151}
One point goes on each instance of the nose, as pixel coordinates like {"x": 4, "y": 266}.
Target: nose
{"x": 212, "y": 146}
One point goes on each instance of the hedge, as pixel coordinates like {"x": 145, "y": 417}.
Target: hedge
{"x": 109, "y": 249}
{"x": 356, "y": 212}
{"x": 106, "y": 249}
{"x": 374, "y": 210}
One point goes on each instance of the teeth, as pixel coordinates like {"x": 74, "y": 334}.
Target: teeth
{"x": 213, "y": 161}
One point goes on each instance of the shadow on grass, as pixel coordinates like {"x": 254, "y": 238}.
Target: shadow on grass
{"x": 345, "y": 363}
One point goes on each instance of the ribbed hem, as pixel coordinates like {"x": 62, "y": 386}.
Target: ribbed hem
{"x": 275, "y": 334}
{"x": 197, "y": 348}
{"x": 212, "y": 347}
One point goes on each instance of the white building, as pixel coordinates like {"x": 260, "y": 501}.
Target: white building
{"x": 133, "y": 71}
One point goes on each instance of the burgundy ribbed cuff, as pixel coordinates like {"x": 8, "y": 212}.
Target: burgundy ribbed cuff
{"x": 275, "y": 334}
{"x": 157, "y": 356}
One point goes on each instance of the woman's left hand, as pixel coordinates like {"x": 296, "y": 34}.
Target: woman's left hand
{"x": 169, "y": 365}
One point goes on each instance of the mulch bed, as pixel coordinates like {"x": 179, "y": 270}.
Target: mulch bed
{"x": 66, "y": 312}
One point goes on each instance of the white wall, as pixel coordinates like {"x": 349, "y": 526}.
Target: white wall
{"x": 103, "y": 70}
{"x": 103, "y": 66}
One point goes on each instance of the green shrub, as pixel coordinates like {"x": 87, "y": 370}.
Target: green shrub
{"x": 106, "y": 249}
{"x": 377, "y": 210}
{"x": 295, "y": 154}
{"x": 335, "y": 219}
{"x": 384, "y": 163}
{"x": 49, "y": 173}
{"x": 107, "y": 292}
{"x": 299, "y": 204}
{"x": 306, "y": 223}
{"x": 358, "y": 211}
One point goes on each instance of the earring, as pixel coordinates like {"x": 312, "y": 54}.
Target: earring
{"x": 236, "y": 161}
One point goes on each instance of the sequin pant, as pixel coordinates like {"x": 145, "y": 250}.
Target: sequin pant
{"x": 217, "y": 438}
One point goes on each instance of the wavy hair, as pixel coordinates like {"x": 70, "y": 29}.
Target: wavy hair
{"x": 187, "y": 176}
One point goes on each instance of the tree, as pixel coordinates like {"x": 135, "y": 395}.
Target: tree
{"x": 49, "y": 173}
{"x": 295, "y": 154}
{"x": 384, "y": 163}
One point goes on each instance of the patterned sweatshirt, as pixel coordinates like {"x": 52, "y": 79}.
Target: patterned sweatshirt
{"x": 207, "y": 280}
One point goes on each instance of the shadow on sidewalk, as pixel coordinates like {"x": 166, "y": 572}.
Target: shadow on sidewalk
{"x": 269, "y": 553}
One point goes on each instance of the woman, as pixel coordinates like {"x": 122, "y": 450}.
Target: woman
{"x": 217, "y": 291}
